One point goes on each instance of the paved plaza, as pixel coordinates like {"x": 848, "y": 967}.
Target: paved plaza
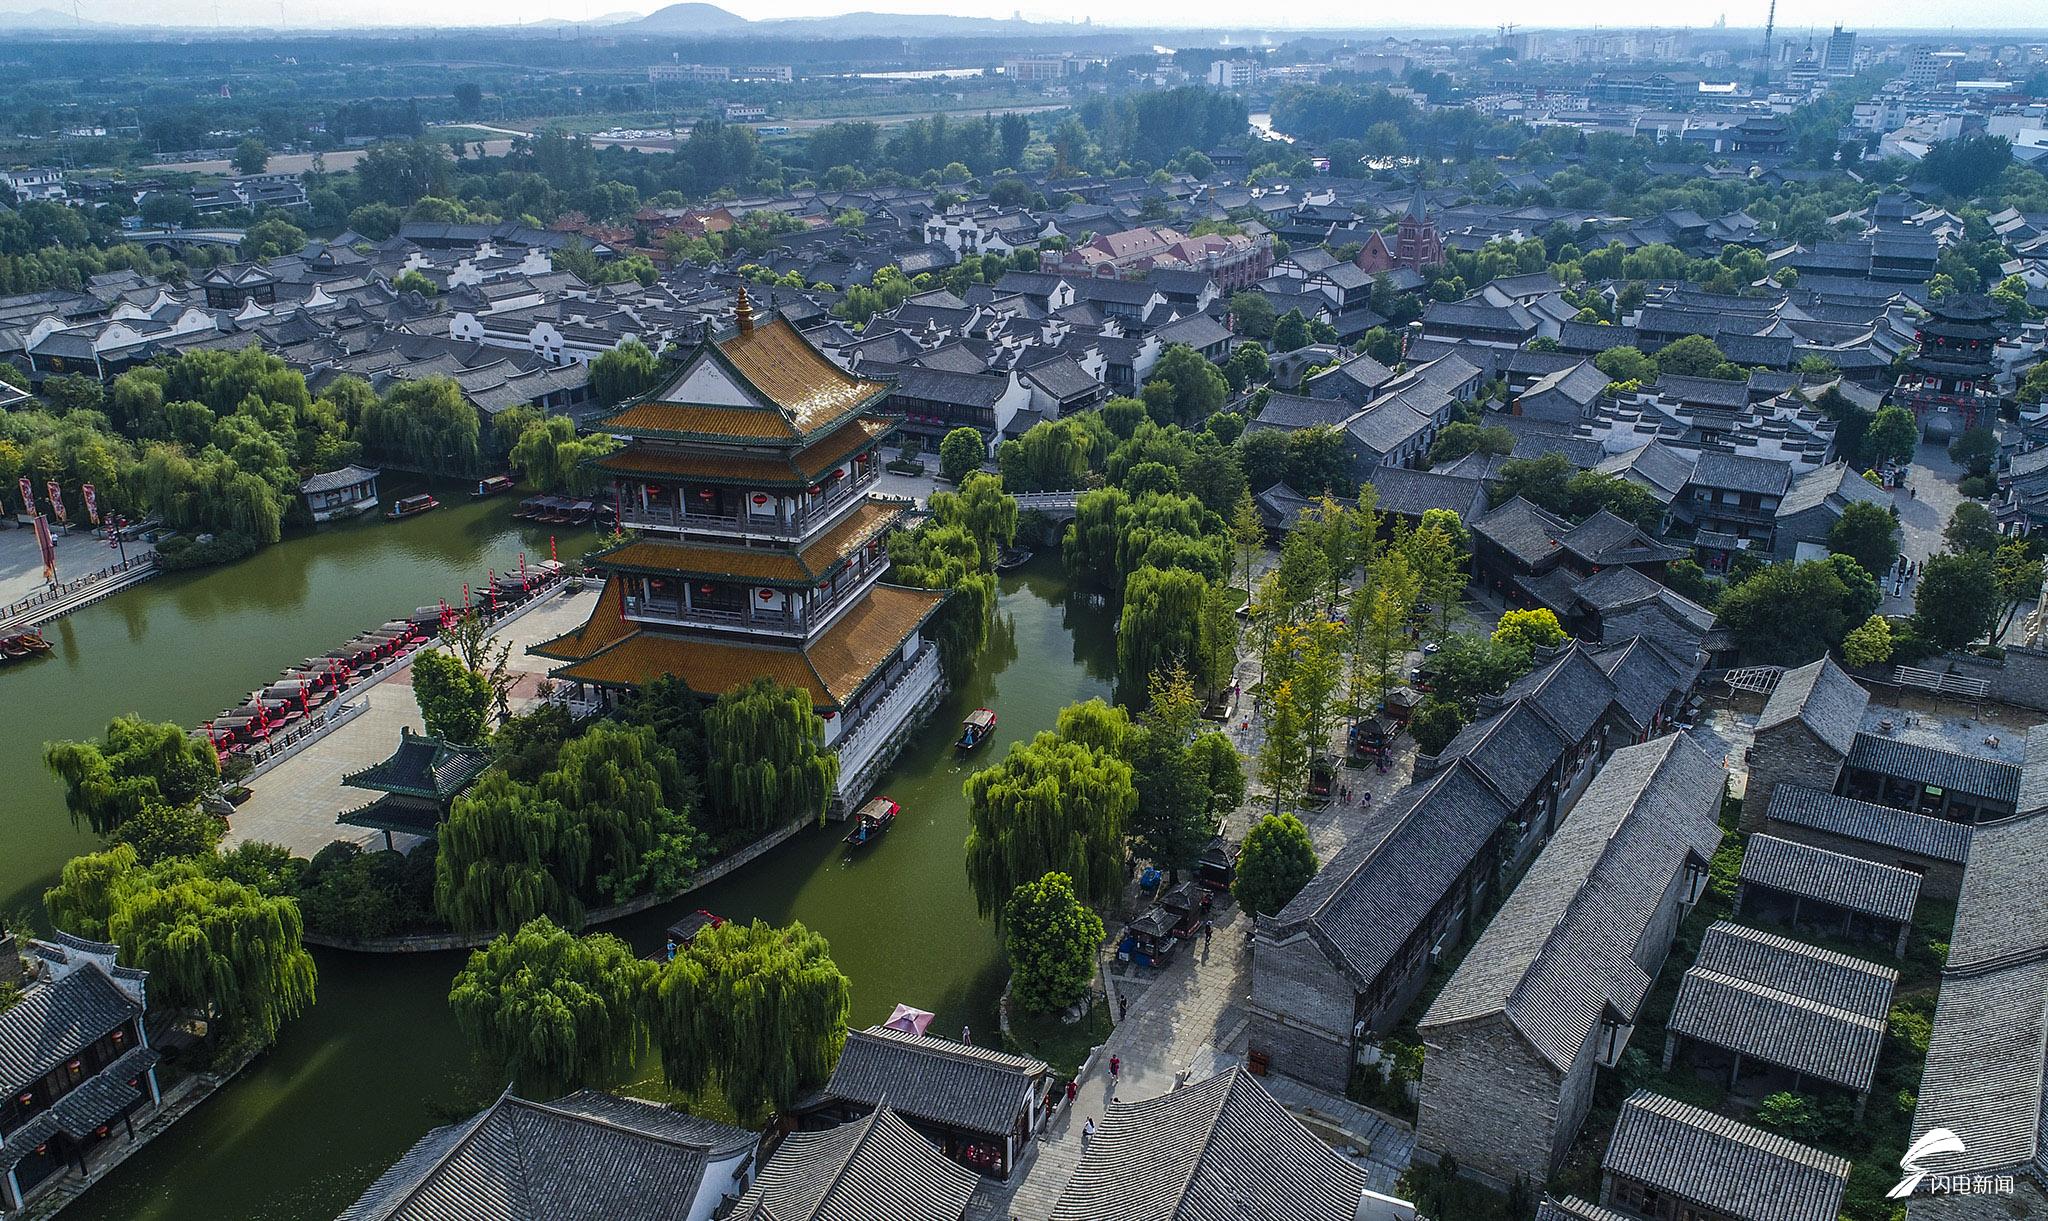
{"x": 295, "y": 803}
{"x": 79, "y": 554}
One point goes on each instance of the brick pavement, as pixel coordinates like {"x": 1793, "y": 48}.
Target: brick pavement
{"x": 296, "y": 802}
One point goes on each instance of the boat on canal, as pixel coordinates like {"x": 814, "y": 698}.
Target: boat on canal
{"x": 412, "y": 506}
{"x": 1013, "y": 558}
{"x": 875, "y": 818}
{"x": 493, "y": 485}
{"x": 979, "y": 726}
{"x": 684, "y": 931}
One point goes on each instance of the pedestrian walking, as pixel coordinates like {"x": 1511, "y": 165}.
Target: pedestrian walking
{"x": 1073, "y": 1089}
{"x": 1087, "y": 1132}
{"x": 1208, "y": 932}
{"x": 1116, "y": 1065}
{"x": 1123, "y": 1007}
{"x": 966, "y": 1035}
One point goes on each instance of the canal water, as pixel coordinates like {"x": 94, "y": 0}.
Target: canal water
{"x": 378, "y": 1060}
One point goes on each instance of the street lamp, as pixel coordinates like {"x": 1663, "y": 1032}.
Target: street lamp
{"x": 114, "y": 525}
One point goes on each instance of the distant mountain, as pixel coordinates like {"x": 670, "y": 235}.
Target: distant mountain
{"x": 45, "y": 19}
{"x": 692, "y": 18}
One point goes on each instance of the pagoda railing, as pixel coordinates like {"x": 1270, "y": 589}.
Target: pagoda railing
{"x": 664, "y": 517}
{"x": 669, "y": 610}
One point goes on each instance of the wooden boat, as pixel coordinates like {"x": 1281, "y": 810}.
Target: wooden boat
{"x": 978, "y": 728}
{"x": 684, "y": 931}
{"x": 1014, "y": 557}
{"x": 412, "y": 506}
{"x": 13, "y": 647}
{"x": 494, "y": 485}
{"x": 34, "y": 640}
{"x": 875, "y": 818}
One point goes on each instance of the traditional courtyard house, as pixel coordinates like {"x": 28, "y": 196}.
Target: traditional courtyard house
{"x": 1671, "y": 1162}
{"x": 1343, "y": 961}
{"x": 980, "y": 1107}
{"x": 419, "y": 782}
{"x": 75, "y": 1064}
{"x": 1552, "y": 989}
{"x": 1803, "y": 886}
{"x": 587, "y": 1155}
{"x": 1814, "y": 503}
{"x": 1535, "y": 558}
{"x": 761, "y": 553}
{"x": 1737, "y": 496}
{"x": 1987, "y": 1056}
{"x": 1565, "y": 396}
{"x": 875, "y": 1168}
{"x": 1765, "y": 1013}
{"x": 1819, "y": 730}
{"x": 1936, "y": 849}
{"x": 1218, "y": 1148}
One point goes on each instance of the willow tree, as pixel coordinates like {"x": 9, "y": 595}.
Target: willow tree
{"x": 506, "y": 856}
{"x": 945, "y": 555}
{"x": 552, "y": 1011}
{"x": 1113, "y": 535}
{"x": 765, "y": 764}
{"x": 617, "y": 783}
{"x": 211, "y": 946}
{"x": 138, "y": 763}
{"x": 1162, "y": 624}
{"x": 755, "y": 1011}
{"x": 984, "y": 510}
{"x": 1050, "y": 806}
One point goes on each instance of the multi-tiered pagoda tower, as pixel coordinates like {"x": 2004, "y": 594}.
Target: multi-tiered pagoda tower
{"x": 759, "y": 549}
{"x": 1948, "y": 383}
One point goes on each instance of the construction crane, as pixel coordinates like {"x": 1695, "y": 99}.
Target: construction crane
{"x": 1770, "y": 25}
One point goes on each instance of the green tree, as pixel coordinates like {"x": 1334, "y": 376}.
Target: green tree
{"x": 1869, "y": 644}
{"x": 1974, "y": 449}
{"x": 1277, "y": 860}
{"x": 1867, "y": 533}
{"x": 1972, "y": 530}
{"x": 1957, "y": 600}
{"x": 455, "y": 700}
{"x": 1162, "y": 624}
{"x": 136, "y": 765}
{"x": 1051, "y": 939}
{"x": 766, "y": 766}
{"x": 415, "y": 282}
{"x": 1290, "y": 333}
{"x": 551, "y": 1011}
{"x": 2019, "y": 569}
{"x": 1439, "y": 565}
{"x": 1695, "y": 356}
{"x": 755, "y": 1011}
{"x": 1892, "y": 436}
{"x": 1627, "y": 364}
{"x": 1790, "y": 614}
{"x": 212, "y": 946}
{"x": 251, "y": 156}
{"x": 961, "y": 453}
{"x": 1195, "y": 387}
{"x": 1247, "y": 537}
{"x": 271, "y": 237}
{"x": 1252, "y": 315}
{"x": 625, "y": 371}
{"x": 1050, "y": 806}
{"x": 551, "y": 457}
{"x": 1459, "y": 439}
{"x": 1529, "y": 630}
{"x": 1434, "y": 723}
{"x": 1185, "y": 784}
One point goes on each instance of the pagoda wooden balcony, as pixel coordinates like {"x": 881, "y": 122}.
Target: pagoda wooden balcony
{"x": 739, "y": 521}
{"x": 669, "y": 610}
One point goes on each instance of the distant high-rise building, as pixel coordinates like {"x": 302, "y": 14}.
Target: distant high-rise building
{"x": 1840, "y": 59}
{"x": 1234, "y": 73}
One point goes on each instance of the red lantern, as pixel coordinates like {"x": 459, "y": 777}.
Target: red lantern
{"x": 27, "y": 1099}
{"x": 825, "y": 588}
{"x": 816, "y": 488}
{"x": 831, "y": 715}
{"x": 121, "y": 1036}
{"x": 705, "y": 590}
{"x": 767, "y": 595}
{"x": 75, "y": 1065}
{"x": 760, "y": 499}
{"x": 704, "y": 493}
{"x": 42, "y": 1148}
{"x": 101, "y": 1131}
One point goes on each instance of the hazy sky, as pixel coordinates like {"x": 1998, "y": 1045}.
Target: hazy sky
{"x": 1794, "y": 16}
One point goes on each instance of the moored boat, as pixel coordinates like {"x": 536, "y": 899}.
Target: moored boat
{"x": 493, "y": 485}
{"x": 979, "y": 726}
{"x": 876, "y": 817}
{"x": 1013, "y": 557}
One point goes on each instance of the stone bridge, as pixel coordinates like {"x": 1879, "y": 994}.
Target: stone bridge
{"x": 1057, "y": 505}
{"x": 172, "y": 239}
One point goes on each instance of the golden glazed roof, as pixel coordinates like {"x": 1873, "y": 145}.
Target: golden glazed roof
{"x": 800, "y": 567}
{"x": 801, "y": 467}
{"x": 832, "y": 668}
{"x": 783, "y": 365}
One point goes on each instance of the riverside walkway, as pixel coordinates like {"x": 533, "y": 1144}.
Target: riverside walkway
{"x": 294, "y": 802}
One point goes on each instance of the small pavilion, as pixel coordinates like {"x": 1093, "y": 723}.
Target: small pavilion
{"x": 420, "y": 780}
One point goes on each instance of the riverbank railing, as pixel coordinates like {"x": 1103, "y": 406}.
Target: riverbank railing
{"x": 65, "y": 597}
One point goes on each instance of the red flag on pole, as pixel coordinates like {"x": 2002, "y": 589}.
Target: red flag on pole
{"x": 92, "y": 503}
{"x": 551, "y": 548}
{"x": 49, "y": 546}
{"x": 56, "y": 499}
{"x": 28, "y": 496}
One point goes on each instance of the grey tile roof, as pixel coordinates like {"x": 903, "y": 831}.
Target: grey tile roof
{"x": 1562, "y": 950}
{"x": 1368, "y": 899}
{"x": 1513, "y": 750}
{"x": 328, "y": 481}
{"x": 872, "y": 1169}
{"x": 1836, "y": 480}
{"x": 520, "y": 1159}
{"x": 1822, "y": 695}
{"x": 1741, "y": 472}
{"x": 1940, "y": 768}
{"x": 1656, "y": 466}
{"x": 1851, "y": 882}
{"x": 1644, "y": 676}
{"x": 56, "y": 1019}
{"x": 1220, "y": 1150}
{"x": 1412, "y": 493}
{"x": 935, "y": 1080}
{"x": 1524, "y": 531}
{"x": 2033, "y": 793}
{"x": 1882, "y": 826}
{"x": 1786, "y": 1003}
{"x": 1985, "y": 1062}
{"x": 2002, "y": 912}
{"x": 1292, "y": 411}
{"x": 1386, "y": 425}
{"x": 1604, "y": 538}
{"x": 1570, "y": 690}
{"x": 1738, "y": 1170}
{"x": 1572, "y": 1208}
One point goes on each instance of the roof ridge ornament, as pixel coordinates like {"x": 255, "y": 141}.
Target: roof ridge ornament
{"x": 743, "y": 311}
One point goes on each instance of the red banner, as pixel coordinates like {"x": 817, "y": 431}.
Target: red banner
{"x": 92, "y": 503}
{"x": 49, "y": 546}
{"x": 56, "y": 499}
{"x": 28, "y": 495}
